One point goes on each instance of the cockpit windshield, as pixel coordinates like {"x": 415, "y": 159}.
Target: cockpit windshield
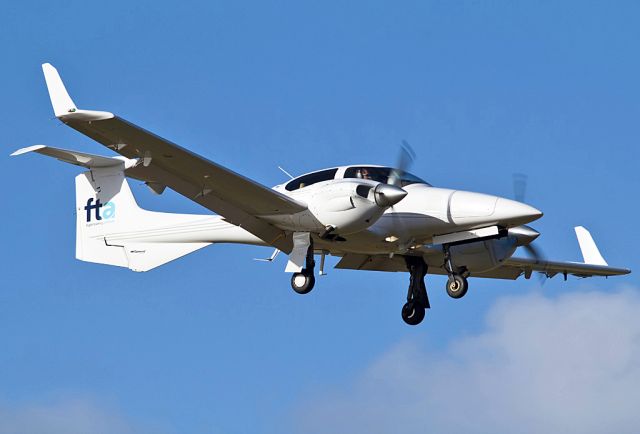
{"x": 382, "y": 174}
{"x": 310, "y": 179}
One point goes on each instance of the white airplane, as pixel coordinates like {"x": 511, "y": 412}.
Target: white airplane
{"x": 372, "y": 217}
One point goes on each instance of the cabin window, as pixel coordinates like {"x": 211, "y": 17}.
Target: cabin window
{"x": 310, "y": 179}
{"x": 381, "y": 174}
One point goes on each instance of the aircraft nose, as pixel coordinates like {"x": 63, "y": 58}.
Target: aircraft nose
{"x": 515, "y": 213}
{"x": 387, "y": 195}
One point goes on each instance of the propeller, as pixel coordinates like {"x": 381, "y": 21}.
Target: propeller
{"x": 405, "y": 160}
{"x": 519, "y": 191}
{"x": 519, "y": 186}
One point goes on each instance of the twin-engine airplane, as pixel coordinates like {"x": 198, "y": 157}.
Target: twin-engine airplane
{"x": 372, "y": 217}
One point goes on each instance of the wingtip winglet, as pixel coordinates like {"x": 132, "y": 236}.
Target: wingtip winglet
{"x": 63, "y": 106}
{"x": 60, "y": 99}
{"x": 590, "y": 253}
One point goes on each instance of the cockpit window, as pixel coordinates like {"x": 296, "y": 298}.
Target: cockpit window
{"x": 311, "y": 178}
{"x": 382, "y": 174}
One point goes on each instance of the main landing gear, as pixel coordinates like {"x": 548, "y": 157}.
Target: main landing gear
{"x": 303, "y": 282}
{"x": 414, "y": 309}
{"x": 457, "y": 284}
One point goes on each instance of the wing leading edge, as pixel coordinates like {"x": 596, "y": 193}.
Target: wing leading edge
{"x": 238, "y": 199}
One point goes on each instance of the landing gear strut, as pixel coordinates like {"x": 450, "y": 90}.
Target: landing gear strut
{"x": 303, "y": 282}
{"x": 414, "y": 310}
{"x": 457, "y": 284}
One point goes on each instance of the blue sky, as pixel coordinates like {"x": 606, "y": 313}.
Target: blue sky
{"x": 216, "y": 342}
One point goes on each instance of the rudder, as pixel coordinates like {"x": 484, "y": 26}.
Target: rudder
{"x": 110, "y": 226}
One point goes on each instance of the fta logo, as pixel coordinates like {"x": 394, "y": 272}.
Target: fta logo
{"x": 100, "y": 211}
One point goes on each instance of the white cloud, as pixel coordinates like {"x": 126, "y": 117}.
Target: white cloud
{"x": 73, "y": 416}
{"x": 539, "y": 365}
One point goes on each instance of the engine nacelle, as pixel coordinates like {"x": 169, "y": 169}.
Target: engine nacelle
{"x": 352, "y": 205}
{"x": 482, "y": 256}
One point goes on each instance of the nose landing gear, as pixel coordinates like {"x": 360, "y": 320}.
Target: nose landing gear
{"x": 303, "y": 282}
{"x": 414, "y": 309}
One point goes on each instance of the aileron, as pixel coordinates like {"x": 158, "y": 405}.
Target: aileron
{"x": 572, "y": 268}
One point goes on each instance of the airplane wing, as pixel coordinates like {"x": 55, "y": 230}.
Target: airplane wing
{"x": 354, "y": 261}
{"x": 551, "y": 268}
{"x": 238, "y": 199}
{"x": 511, "y": 268}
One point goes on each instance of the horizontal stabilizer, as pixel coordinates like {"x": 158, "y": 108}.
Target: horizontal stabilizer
{"x": 78, "y": 158}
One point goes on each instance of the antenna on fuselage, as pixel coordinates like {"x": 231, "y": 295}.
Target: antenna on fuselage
{"x": 285, "y": 172}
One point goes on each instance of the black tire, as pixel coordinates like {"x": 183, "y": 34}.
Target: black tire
{"x": 457, "y": 286}
{"x": 302, "y": 283}
{"x": 413, "y": 313}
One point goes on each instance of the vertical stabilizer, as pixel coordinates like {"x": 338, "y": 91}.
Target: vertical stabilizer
{"x": 112, "y": 229}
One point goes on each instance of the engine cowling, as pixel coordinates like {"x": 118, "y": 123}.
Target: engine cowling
{"x": 482, "y": 255}
{"x": 486, "y": 255}
{"x": 352, "y": 205}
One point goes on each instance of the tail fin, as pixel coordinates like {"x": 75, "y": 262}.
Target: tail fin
{"x": 112, "y": 229}
{"x": 110, "y": 226}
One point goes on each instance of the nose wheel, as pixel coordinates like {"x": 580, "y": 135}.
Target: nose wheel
{"x": 303, "y": 282}
{"x": 414, "y": 310}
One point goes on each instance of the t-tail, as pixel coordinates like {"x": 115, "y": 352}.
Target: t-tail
{"x": 112, "y": 229}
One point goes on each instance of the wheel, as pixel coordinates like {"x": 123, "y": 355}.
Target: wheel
{"x": 457, "y": 286}
{"x": 412, "y": 313}
{"x": 302, "y": 283}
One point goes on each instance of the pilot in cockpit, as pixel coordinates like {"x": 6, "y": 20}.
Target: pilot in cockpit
{"x": 363, "y": 173}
